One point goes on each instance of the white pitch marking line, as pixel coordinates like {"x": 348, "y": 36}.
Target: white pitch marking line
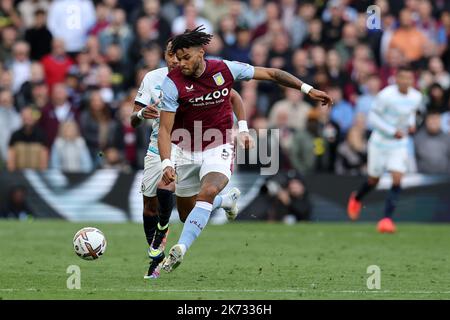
{"x": 234, "y": 291}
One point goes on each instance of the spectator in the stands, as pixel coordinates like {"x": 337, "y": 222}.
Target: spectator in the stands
{"x": 118, "y": 33}
{"x": 190, "y": 20}
{"x": 347, "y": 43}
{"x": 57, "y": 63}
{"x": 213, "y": 10}
{"x": 303, "y": 153}
{"x": 104, "y": 84}
{"x": 58, "y": 111}
{"x": 296, "y": 108}
{"x": 365, "y": 101}
{"x": 433, "y": 29}
{"x": 39, "y": 37}
{"x": 69, "y": 153}
{"x": 63, "y": 22}
{"x": 141, "y": 38}
{"x": 159, "y": 25}
{"x": 9, "y": 38}
{"x": 27, "y": 146}
{"x": 342, "y": 112}
{"x": 10, "y": 121}
{"x": 97, "y": 126}
{"x": 351, "y": 156}
{"x": 335, "y": 67}
{"x": 289, "y": 199}
{"x": 394, "y": 59}
{"x": 445, "y": 121}
{"x": 255, "y": 14}
{"x": 214, "y": 50}
{"x": 39, "y": 96}
{"x": 240, "y": 51}
{"x": 114, "y": 159}
{"x": 409, "y": 39}
{"x": 16, "y": 206}
{"x": 298, "y": 26}
{"x": 25, "y": 97}
{"x": 432, "y": 147}
{"x": 438, "y": 72}
{"x": 101, "y": 19}
{"x": 20, "y": 65}
{"x": 227, "y": 30}
{"x": 29, "y": 8}
{"x": 315, "y": 35}
{"x": 437, "y": 98}
{"x": 272, "y": 17}
{"x": 280, "y": 52}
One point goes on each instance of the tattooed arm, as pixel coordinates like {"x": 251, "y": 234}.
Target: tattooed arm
{"x": 288, "y": 80}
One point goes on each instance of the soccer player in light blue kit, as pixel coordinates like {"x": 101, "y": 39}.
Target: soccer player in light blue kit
{"x": 393, "y": 118}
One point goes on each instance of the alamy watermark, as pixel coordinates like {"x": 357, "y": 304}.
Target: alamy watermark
{"x": 265, "y": 153}
{"x": 373, "y": 17}
{"x": 74, "y": 280}
{"x": 374, "y": 280}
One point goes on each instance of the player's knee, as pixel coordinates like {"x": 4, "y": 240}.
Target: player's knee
{"x": 208, "y": 193}
{"x": 150, "y": 211}
{"x": 183, "y": 216}
{"x": 373, "y": 181}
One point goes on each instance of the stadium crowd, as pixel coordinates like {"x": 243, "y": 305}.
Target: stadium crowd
{"x": 70, "y": 69}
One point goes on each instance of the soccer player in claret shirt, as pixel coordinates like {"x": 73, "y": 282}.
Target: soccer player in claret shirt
{"x": 196, "y": 107}
{"x": 155, "y": 193}
{"x": 393, "y": 117}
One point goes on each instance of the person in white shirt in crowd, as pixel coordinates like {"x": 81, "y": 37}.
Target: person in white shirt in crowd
{"x": 21, "y": 65}
{"x": 71, "y": 22}
{"x": 10, "y": 121}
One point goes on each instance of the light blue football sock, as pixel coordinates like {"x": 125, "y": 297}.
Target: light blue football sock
{"x": 217, "y": 202}
{"x": 195, "y": 222}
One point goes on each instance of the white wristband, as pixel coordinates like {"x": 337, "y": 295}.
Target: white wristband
{"x": 242, "y": 124}
{"x": 306, "y": 88}
{"x": 166, "y": 163}
{"x": 139, "y": 114}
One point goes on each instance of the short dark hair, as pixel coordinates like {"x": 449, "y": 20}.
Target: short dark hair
{"x": 433, "y": 112}
{"x": 40, "y": 11}
{"x": 406, "y": 68}
{"x": 191, "y": 38}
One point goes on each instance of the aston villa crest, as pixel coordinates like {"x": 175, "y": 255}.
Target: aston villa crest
{"x": 218, "y": 79}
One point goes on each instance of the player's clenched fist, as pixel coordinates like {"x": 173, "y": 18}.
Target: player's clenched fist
{"x": 149, "y": 112}
{"x": 168, "y": 175}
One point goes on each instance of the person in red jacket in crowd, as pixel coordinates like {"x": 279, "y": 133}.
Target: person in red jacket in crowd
{"x": 56, "y": 64}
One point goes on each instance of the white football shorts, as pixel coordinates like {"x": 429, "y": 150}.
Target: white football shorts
{"x": 191, "y": 167}
{"x": 381, "y": 159}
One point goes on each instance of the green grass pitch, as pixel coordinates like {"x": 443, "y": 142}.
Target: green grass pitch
{"x": 233, "y": 261}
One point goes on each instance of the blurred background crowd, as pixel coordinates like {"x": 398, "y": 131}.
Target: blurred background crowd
{"x": 69, "y": 71}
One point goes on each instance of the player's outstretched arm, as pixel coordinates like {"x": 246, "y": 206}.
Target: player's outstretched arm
{"x": 165, "y": 145}
{"x": 245, "y": 140}
{"x": 141, "y": 113}
{"x": 288, "y": 80}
